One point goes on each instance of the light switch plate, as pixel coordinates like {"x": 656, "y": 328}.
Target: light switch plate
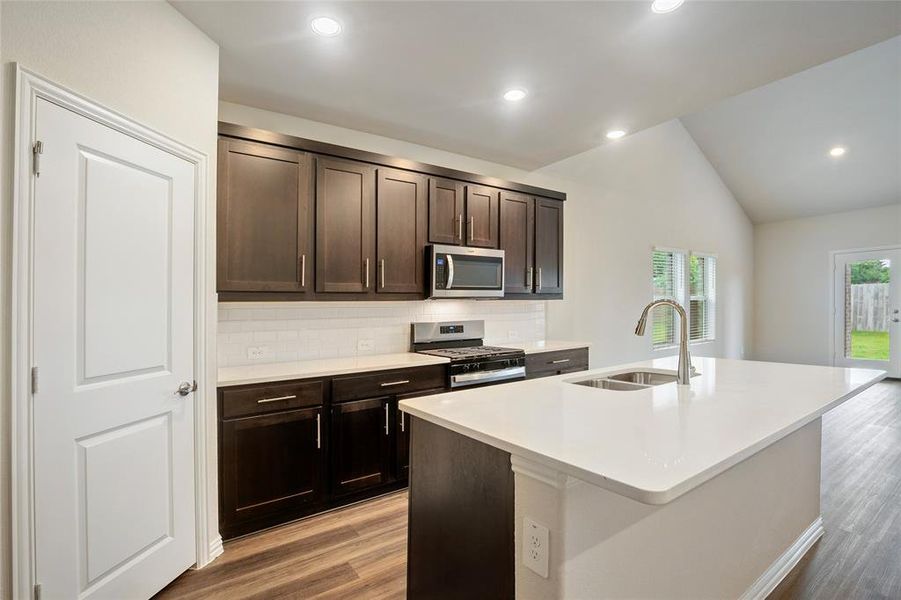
{"x": 535, "y": 546}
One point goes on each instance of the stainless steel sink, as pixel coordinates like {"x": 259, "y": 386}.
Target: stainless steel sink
{"x": 645, "y": 377}
{"x": 611, "y": 384}
{"x": 630, "y": 381}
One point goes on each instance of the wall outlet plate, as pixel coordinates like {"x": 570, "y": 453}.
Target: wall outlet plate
{"x": 255, "y": 352}
{"x": 536, "y": 546}
{"x": 365, "y": 345}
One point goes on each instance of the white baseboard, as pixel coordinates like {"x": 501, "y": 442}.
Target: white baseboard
{"x": 777, "y": 571}
{"x": 216, "y": 549}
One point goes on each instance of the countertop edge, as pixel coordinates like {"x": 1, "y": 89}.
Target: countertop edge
{"x": 654, "y": 497}
{"x": 326, "y": 372}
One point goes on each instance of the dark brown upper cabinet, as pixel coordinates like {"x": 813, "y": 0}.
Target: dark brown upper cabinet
{"x": 401, "y": 222}
{"x": 481, "y": 216}
{"x": 548, "y": 246}
{"x": 345, "y": 226}
{"x": 517, "y": 240}
{"x": 264, "y": 225}
{"x": 446, "y": 211}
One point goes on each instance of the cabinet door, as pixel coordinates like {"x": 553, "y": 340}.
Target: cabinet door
{"x": 481, "y": 216}
{"x": 400, "y": 231}
{"x": 264, "y": 226}
{"x": 402, "y": 445}
{"x": 360, "y": 440}
{"x": 548, "y": 246}
{"x": 345, "y": 223}
{"x": 446, "y": 211}
{"x": 517, "y": 240}
{"x": 269, "y": 464}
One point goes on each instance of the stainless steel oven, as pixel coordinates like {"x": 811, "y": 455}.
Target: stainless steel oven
{"x": 461, "y": 272}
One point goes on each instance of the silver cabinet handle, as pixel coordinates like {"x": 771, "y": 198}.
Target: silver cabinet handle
{"x": 539, "y": 279}
{"x": 472, "y": 227}
{"x": 278, "y": 399}
{"x": 318, "y": 431}
{"x": 390, "y": 383}
{"x": 366, "y": 273}
{"x": 459, "y": 220}
{"x": 403, "y": 416}
{"x": 387, "y": 424}
{"x": 559, "y": 360}
{"x": 303, "y": 270}
{"x": 186, "y": 388}
{"x": 529, "y": 273}
{"x": 382, "y": 273}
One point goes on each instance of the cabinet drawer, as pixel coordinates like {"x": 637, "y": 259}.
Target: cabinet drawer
{"x": 551, "y": 363}
{"x": 397, "y": 381}
{"x": 242, "y": 402}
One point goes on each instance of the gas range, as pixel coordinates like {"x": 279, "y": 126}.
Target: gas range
{"x": 471, "y": 363}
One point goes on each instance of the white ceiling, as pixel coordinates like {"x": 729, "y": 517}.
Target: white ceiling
{"x": 433, "y": 72}
{"x": 771, "y": 145}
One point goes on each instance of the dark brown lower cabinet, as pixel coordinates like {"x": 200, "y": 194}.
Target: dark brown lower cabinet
{"x": 546, "y": 364}
{"x": 271, "y": 468}
{"x": 402, "y": 457}
{"x": 361, "y": 445}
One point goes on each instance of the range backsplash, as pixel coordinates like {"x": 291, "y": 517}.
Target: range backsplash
{"x": 269, "y": 332}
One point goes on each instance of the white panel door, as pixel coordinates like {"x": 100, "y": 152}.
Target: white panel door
{"x": 867, "y": 327}
{"x": 113, "y": 338}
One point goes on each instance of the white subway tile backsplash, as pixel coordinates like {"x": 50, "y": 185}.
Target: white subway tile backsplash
{"x": 291, "y": 331}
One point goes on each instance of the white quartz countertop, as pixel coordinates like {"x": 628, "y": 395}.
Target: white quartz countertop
{"x": 545, "y": 346}
{"x": 654, "y": 444}
{"x": 323, "y": 367}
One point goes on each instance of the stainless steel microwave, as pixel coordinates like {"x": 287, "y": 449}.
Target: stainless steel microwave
{"x": 461, "y": 272}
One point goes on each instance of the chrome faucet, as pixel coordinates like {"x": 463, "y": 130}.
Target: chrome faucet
{"x": 685, "y": 368}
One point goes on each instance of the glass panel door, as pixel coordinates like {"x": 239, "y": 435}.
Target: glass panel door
{"x": 868, "y": 310}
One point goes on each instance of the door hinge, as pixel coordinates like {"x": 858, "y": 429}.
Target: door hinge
{"x": 34, "y": 380}
{"x": 36, "y": 152}
{"x": 37, "y": 591}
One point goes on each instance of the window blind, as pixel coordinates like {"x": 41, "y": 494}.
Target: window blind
{"x": 702, "y": 297}
{"x": 668, "y": 276}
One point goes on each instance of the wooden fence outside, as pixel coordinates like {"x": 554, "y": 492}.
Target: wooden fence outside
{"x": 869, "y": 307}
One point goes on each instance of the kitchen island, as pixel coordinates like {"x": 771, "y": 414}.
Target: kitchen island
{"x": 703, "y": 491}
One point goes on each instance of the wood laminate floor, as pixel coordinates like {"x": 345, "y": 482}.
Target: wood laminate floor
{"x": 859, "y": 556}
{"x": 360, "y": 551}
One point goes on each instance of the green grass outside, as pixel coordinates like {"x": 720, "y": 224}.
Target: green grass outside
{"x": 870, "y": 345}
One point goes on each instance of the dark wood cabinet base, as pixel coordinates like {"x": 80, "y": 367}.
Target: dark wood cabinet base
{"x": 461, "y": 529}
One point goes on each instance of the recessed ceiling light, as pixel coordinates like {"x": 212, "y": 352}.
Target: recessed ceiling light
{"x": 515, "y": 95}
{"x": 615, "y": 134}
{"x": 665, "y": 6}
{"x": 326, "y": 26}
{"x": 837, "y": 151}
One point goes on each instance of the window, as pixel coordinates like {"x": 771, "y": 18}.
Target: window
{"x": 702, "y": 297}
{"x": 690, "y": 280}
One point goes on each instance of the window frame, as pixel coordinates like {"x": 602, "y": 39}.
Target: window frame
{"x": 682, "y": 296}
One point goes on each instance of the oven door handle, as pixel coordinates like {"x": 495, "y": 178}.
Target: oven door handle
{"x": 487, "y": 376}
{"x": 450, "y": 272}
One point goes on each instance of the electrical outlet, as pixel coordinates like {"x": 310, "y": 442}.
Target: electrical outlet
{"x": 513, "y": 335}
{"x": 255, "y": 352}
{"x": 535, "y": 546}
{"x": 365, "y": 345}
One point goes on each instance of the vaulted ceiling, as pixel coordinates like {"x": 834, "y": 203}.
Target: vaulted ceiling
{"x": 771, "y": 145}
{"x": 434, "y": 72}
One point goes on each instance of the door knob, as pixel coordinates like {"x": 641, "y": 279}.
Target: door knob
{"x": 186, "y": 388}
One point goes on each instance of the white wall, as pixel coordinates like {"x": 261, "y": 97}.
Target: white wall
{"x": 793, "y": 278}
{"x": 653, "y": 188}
{"x": 142, "y": 59}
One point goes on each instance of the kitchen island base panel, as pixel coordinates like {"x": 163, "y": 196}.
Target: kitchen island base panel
{"x": 460, "y": 541}
{"x": 716, "y": 541}
{"x": 720, "y": 540}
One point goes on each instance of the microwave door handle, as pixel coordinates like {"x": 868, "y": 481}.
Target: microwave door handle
{"x": 450, "y": 272}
